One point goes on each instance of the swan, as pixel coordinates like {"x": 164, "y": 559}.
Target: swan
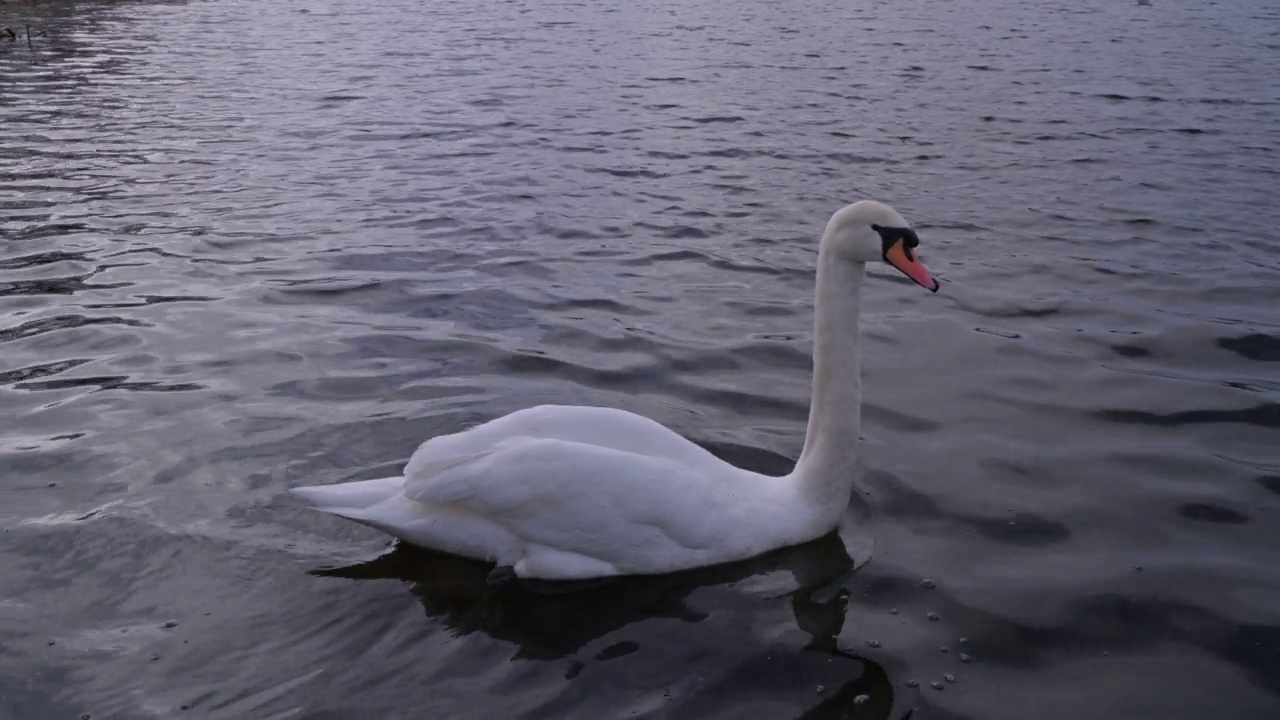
{"x": 559, "y": 492}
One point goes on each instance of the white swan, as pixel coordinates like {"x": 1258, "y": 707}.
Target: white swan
{"x": 568, "y": 492}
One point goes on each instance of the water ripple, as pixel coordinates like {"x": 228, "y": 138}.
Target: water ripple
{"x": 246, "y": 246}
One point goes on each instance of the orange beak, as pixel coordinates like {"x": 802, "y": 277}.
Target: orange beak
{"x": 901, "y": 257}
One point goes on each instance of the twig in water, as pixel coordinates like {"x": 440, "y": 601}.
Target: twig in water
{"x": 29, "y": 45}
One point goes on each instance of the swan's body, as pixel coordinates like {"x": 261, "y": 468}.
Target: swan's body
{"x": 563, "y": 492}
{"x": 571, "y": 492}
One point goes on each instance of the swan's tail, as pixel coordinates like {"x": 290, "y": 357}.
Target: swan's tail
{"x": 350, "y": 499}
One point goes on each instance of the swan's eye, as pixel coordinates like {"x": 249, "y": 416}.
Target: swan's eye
{"x": 891, "y": 235}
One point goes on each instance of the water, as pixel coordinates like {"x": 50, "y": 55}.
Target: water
{"x": 249, "y": 245}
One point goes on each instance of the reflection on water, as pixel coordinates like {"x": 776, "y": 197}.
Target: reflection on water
{"x": 547, "y": 620}
{"x": 249, "y": 246}
{"x": 556, "y": 621}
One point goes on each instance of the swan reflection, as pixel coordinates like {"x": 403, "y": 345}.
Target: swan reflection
{"x": 556, "y": 621}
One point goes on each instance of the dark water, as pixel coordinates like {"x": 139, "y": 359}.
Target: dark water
{"x": 247, "y": 244}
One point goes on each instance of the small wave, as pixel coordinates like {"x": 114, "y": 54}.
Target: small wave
{"x": 676, "y": 232}
{"x": 1118, "y": 97}
{"x": 1205, "y": 512}
{"x": 62, "y": 322}
{"x": 42, "y": 258}
{"x": 630, "y": 173}
{"x": 110, "y": 382}
{"x": 1254, "y": 346}
{"x": 1264, "y": 415}
{"x": 33, "y": 372}
{"x": 1270, "y": 483}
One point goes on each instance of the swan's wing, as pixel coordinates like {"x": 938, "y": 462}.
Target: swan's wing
{"x": 603, "y": 427}
{"x": 598, "y": 501}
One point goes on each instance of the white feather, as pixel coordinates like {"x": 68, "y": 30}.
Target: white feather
{"x": 570, "y": 492}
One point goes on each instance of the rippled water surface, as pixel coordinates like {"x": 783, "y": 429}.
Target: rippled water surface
{"x": 247, "y": 245}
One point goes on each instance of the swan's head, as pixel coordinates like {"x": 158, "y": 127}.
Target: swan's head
{"x": 870, "y": 231}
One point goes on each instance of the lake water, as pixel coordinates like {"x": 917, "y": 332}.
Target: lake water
{"x": 252, "y": 244}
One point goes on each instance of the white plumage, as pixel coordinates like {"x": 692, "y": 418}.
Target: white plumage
{"x": 572, "y": 492}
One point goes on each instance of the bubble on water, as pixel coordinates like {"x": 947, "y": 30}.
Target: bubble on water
{"x": 949, "y": 677}
{"x": 893, "y": 611}
{"x": 873, "y": 643}
{"x": 821, "y": 688}
{"x": 964, "y": 657}
{"x": 913, "y": 683}
{"x": 964, "y": 641}
{"x": 932, "y": 616}
{"x": 935, "y": 685}
{"x": 944, "y": 649}
{"x": 862, "y": 700}
{"x": 927, "y": 583}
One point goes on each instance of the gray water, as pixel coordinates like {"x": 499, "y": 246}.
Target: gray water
{"x": 247, "y": 245}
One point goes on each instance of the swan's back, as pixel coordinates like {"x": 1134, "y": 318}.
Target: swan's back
{"x": 596, "y": 426}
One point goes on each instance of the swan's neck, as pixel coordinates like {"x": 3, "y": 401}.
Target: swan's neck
{"x": 825, "y": 470}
